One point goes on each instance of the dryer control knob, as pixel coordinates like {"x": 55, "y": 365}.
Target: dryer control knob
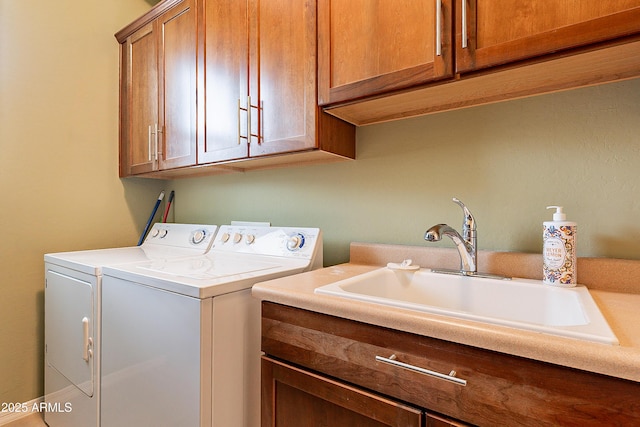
{"x": 295, "y": 242}
{"x": 237, "y": 238}
{"x": 225, "y": 237}
{"x": 198, "y": 236}
{"x": 249, "y": 239}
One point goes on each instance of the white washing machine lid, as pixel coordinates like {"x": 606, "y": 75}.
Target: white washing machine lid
{"x": 165, "y": 240}
{"x": 92, "y": 261}
{"x": 209, "y": 275}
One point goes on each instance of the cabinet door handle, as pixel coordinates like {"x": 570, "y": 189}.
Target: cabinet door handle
{"x": 464, "y": 24}
{"x": 439, "y": 27}
{"x": 149, "y": 141}
{"x": 158, "y": 151}
{"x": 451, "y": 377}
{"x": 248, "y": 110}
{"x": 260, "y": 120}
{"x": 249, "y": 120}
{"x": 260, "y": 134}
{"x": 239, "y": 118}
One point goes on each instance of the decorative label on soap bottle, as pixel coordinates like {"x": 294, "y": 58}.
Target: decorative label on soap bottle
{"x": 559, "y": 255}
{"x": 559, "y": 250}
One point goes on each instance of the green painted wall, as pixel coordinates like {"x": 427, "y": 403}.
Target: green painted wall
{"x": 507, "y": 162}
{"x": 59, "y": 185}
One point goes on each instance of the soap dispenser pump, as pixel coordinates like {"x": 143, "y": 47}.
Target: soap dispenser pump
{"x": 559, "y": 250}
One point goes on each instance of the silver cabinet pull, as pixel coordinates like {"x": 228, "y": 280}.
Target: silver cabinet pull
{"x": 391, "y": 360}
{"x": 248, "y": 110}
{"x": 439, "y": 27}
{"x": 464, "y": 24}
{"x": 249, "y": 119}
{"x": 153, "y": 148}
{"x": 239, "y": 117}
{"x": 149, "y": 141}
{"x": 158, "y": 152}
{"x": 260, "y": 134}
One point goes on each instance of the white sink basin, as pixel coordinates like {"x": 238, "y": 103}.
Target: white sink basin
{"x": 519, "y": 303}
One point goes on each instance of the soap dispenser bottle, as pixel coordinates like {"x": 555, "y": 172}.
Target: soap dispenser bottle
{"x": 559, "y": 250}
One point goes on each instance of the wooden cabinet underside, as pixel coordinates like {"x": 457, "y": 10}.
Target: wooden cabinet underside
{"x": 591, "y": 66}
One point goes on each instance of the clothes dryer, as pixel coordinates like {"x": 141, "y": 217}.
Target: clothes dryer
{"x": 72, "y": 316}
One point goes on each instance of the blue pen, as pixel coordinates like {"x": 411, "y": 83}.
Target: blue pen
{"x": 153, "y": 214}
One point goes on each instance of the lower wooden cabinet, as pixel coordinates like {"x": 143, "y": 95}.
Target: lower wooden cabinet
{"x": 330, "y": 365}
{"x": 303, "y": 399}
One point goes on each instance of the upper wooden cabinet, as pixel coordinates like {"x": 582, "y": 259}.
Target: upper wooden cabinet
{"x": 490, "y": 33}
{"x": 224, "y": 83}
{"x": 259, "y": 61}
{"x": 158, "y": 92}
{"x": 235, "y": 85}
{"x": 370, "y": 47}
{"x": 177, "y": 75}
{"x": 139, "y": 126}
{"x": 283, "y": 78}
{"x": 380, "y": 64}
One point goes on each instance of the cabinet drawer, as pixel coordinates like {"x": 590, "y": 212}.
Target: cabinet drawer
{"x": 492, "y": 388}
{"x": 301, "y": 398}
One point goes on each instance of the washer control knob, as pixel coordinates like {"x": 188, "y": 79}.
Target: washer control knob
{"x": 198, "y": 236}
{"x": 249, "y": 239}
{"x": 237, "y": 237}
{"x": 295, "y": 242}
{"x": 154, "y": 232}
{"x": 163, "y": 233}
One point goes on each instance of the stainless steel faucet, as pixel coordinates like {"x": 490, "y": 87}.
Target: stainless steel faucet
{"x": 466, "y": 244}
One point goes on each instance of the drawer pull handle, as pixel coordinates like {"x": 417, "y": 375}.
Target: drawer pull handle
{"x": 391, "y": 360}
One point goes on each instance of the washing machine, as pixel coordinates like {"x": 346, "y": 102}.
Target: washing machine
{"x": 72, "y": 316}
{"x": 181, "y": 337}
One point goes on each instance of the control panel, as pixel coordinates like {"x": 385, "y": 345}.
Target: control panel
{"x": 181, "y": 235}
{"x": 292, "y": 242}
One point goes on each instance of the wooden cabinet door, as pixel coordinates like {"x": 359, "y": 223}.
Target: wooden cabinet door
{"x": 177, "y": 80}
{"x": 294, "y": 397}
{"x": 283, "y": 76}
{"x": 139, "y": 102}
{"x": 158, "y": 104}
{"x": 369, "y": 47}
{"x": 225, "y": 60}
{"x": 491, "y": 32}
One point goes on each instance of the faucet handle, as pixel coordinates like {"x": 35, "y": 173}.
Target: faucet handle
{"x": 469, "y": 222}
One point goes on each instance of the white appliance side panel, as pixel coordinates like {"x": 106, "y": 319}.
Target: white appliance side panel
{"x": 151, "y": 356}
{"x": 236, "y": 360}
{"x": 69, "y": 327}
